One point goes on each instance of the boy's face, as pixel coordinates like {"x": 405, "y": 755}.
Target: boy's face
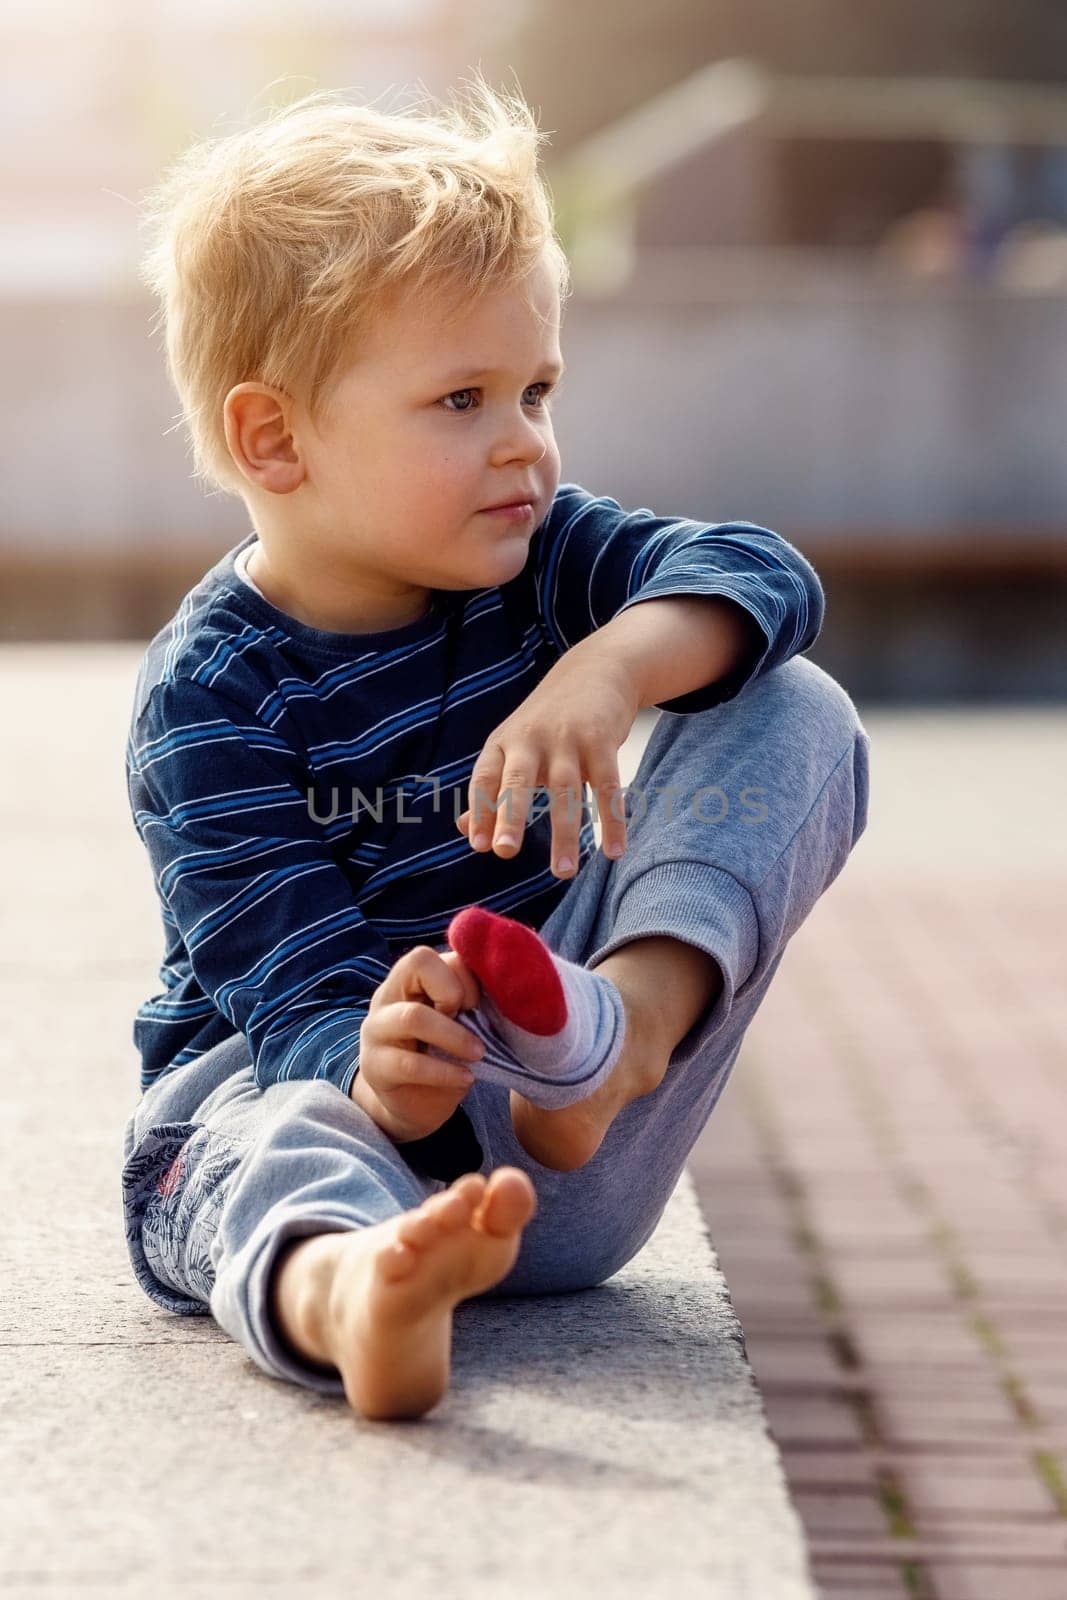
{"x": 442, "y": 414}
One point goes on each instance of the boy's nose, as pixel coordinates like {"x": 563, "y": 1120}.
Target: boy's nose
{"x": 522, "y": 441}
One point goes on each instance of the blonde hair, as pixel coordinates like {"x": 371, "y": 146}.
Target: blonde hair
{"x": 270, "y": 249}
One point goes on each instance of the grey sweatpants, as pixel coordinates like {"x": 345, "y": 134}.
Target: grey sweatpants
{"x": 739, "y": 818}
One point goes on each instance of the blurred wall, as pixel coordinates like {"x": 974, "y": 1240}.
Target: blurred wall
{"x": 904, "y": 431}
{"x": 848, "y": 411}
{"x": 910, "y": 443}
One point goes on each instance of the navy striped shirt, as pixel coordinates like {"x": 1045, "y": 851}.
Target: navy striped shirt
{"x": 297, "y": 789}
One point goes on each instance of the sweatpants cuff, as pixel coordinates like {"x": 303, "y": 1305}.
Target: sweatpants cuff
{"x": 701, "y": 905}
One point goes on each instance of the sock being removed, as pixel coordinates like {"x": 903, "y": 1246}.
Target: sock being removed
{"x": 552, "y": 1030}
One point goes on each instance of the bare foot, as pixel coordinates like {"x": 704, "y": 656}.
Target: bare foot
{"x": 377, "y": 1302}
{"x": 570, "y": 1136}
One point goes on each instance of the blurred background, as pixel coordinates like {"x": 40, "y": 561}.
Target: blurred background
{"x": 820, "y": 260}
{"x": 820, "y": 268}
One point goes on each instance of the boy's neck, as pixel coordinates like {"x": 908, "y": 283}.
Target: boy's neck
{"x": 319, "y": 606}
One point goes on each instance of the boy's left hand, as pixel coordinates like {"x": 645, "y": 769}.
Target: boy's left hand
{"x": 566, "y": 732}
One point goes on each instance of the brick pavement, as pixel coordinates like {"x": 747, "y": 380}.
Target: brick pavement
{"x": 886, "y": 1183}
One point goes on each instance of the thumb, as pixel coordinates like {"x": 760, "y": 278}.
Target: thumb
{"x": 472, "y": 989}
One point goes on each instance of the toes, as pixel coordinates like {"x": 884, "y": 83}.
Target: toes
{"x": 441, "y": 1213}
{"x": 397, "y": 1262}
{"x": 471, "y": 1183}
{"x": 457, "y": 1203}
{"x": 510, "y": 1202}
{"x": 499, "y": 1207}
{"x": 417, "y": 1230}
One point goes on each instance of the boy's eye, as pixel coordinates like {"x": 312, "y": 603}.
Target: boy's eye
{"x": 543, "y": 387}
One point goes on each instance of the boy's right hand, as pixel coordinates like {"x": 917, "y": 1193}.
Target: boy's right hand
{"x": 410, "y": 1094}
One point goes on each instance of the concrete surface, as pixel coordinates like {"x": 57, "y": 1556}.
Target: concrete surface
{"x": 612, "y": 1438}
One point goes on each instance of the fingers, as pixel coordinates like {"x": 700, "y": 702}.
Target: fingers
{"x": 425, "y": 975}
{"x": 418, "y": 1000}
{"x": 566, "y": 790}
{"x": 513, "y": 801}
{"x": 611, "y": 806}
{"x": 412, "y": 1020}
{"x": 599, "y": 767}
{"x": 400, "y": 1068}
{"x": 414, "y": 1003}
{"x": 482, "y": 794}
{"x": 501, "y": 791}
{"x": 414, "y": 1044}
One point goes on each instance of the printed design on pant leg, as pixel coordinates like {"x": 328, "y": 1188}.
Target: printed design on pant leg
{"x": 154, "y": 1153}
{"x": 181, "y": 1218}
{"x": 171, "y": 1178}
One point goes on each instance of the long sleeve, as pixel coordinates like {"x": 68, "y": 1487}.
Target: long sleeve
{"x": 248, "y": 887}
{"x": 592, "y": 560}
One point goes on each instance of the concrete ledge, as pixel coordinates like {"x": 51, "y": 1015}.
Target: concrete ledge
{"x": 609, "y": 1441}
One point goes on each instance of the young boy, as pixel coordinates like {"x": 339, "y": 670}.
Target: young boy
{"x": 418, "y": 1039}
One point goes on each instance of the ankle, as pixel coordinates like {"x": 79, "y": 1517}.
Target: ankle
{"x": 644, "y": 1020}
{"x": 645, "y": 1051}
{"x": 299, "y": 1295}
{"x": 667, "y": 985}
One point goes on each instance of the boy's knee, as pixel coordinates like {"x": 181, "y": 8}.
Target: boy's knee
{"x": 808, "y": 697}
{"x": 829, "y": 708}
{"x": 834, "y": 723}
{"x": 812, "y": 736}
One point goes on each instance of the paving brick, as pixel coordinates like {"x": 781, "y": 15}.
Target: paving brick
{"x": 814, "y": 1420}
{"x": 853, "y": 1468}
{"x": 860, "y": 1581}
{"x": 1048, "y": 1396}
{"x": 895, "y": 1280}
{"x": 1028, "y": 1331}
{"x": 997, "y": 1543}
{"x": 970, "y": 1580}
{"x": 849, "y": 1231}
{"x": 781, "y": 1322}
{"x": 927, "y": 1386}
{"x": 766, "y": 1248}
{"x": 859, "y": 1245}
{"x": 772, "y": 1279}
{"x": 780, "y": 1362}
{"x": 840, "y": 1514}
{"x": 1016, "y": 1272}
{"x": 840, "y": 1205}
{"x": 955, "y": 1418}
{"x": 945, "y": 1489}
{"x": 915, "y": 1336}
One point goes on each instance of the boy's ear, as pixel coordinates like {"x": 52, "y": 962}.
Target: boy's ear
{"x": 260, "y": 438}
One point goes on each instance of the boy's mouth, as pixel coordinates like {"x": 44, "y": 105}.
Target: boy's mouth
{"x": 520, "y": 499}
{"x": 516, "y": 510}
